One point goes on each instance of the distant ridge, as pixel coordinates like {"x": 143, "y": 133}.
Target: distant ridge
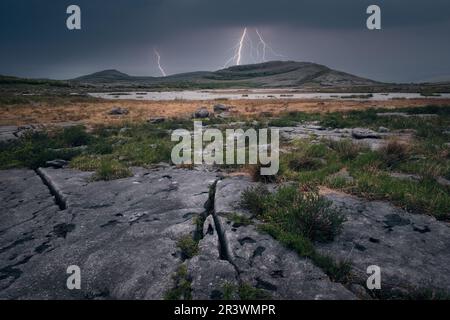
{"x": 268, "y": 74}
{"x": 104, "y": 76}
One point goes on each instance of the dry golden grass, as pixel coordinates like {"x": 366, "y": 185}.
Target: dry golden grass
{"x": 96, "y": 112}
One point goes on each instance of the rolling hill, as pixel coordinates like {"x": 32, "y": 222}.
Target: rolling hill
{"x": 265, "y": 75}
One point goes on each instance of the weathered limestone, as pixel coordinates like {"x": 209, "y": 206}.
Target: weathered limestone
{"x": 122, "y": 234}
{"x": 210, "y": 272}
{"x": 412, "y": 250}
{"x": 374, "y": 140}
{"x": 261, "y": 260}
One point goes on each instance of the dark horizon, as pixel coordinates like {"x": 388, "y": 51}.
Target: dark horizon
{"x": 198, "y": 35}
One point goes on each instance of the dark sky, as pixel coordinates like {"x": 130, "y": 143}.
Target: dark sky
{"x": 194, "y": 35}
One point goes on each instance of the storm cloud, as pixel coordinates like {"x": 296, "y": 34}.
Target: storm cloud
{"x": 200, "y": 34}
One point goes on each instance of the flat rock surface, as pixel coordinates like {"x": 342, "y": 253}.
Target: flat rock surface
{"x": 412, "y": 250}
{"x": 374, "y": 140}
{"x": 122, "y": 234}
{"x": 261, "y": 261}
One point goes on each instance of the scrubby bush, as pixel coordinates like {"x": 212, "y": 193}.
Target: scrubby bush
{"x": 302, "y": 212}
{"x": 254, "y": 199}
{"x": 74, "y": 136}
{"x": 110, "y": 170}
{"x": 255, "y": 174}
{"x": 188, "y": 247}
{"x": 346, "y": 149}
{"x": 304, "y": 163}
{"x": 394, "y": 152}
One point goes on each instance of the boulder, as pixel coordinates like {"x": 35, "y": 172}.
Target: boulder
{"x": 118, "y": 111}
{"x": 221, "y": 108}
{"x": 201, "y": 113}
{"x": 362, "y": 133}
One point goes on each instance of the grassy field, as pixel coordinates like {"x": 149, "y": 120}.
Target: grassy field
{"x": 112, "y": 149}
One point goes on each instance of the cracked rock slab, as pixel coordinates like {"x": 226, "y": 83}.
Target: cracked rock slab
{"x": 122, "y": 234}
{"x": 261, "y": 260}
{"x": 210, "y": 273}
{"x": 374, "y": 140}
{"x": 412, "y": 250}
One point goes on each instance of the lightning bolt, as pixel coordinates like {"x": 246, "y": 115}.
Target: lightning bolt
{"x": 265, "y": 46}
{"x": 241, "y": 45}
{"x": 246, "y": 39}
{"x": 237, "y": 51}
{"x": 158, "y": 56}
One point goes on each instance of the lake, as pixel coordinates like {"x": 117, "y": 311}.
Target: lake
{"x": 255, "y": 94}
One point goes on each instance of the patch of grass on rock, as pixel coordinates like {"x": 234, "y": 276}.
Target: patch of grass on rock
{"x": 182, "y": 285}
{"x": 188, "y": 247}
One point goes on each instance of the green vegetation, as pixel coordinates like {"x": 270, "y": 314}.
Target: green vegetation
{"x": 111, "y": 170}
{"x": 298, "y": 218}
{"x": 370, "y": 173}
{"x": 188, "y": 247}
{"x": 295, "y": 211}
{"x": 33, "y": 149}
{"x": 244, "y": 291}
{"x": 182, "y": 285}
{"x": 109, "y": 151}
{"x": 239, "y": 220}
{"x": 375, "y": 174}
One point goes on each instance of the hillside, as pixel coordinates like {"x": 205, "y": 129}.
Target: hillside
{"x": 303, "y": 76}
{"x": 269, "y": 74}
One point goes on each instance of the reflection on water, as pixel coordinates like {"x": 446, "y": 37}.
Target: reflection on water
{"x": 258, "y": 94}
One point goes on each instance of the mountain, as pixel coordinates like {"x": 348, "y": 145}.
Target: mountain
{"x": 104, "y": 77}
{"x": 264, "y": 75}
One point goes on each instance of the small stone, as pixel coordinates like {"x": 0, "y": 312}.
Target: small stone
{"x": 123, "y": 130}
{"x": 220, "y": 108}
{"x": 361, "y": 133}
{"x": 156, "y": 120}
{"x": 57, "y": 163}
{"x": 224, "y": 115}
{"x": 383, "y": 129}
{"x": 118, "y": 111}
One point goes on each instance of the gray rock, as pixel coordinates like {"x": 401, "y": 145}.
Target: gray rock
{"x": 443, "y": 181}
{"x": 405, "y": 176}
{"x": 156, "y": 120}
{"x": 392, "y": 114}
{"x": 360, "y": 136}
{"x": 224, "y": 115}
{"x": 118, "y": 111}
{"x": 122, "y": 234}
{"x": 201, "y": 113}
{"x": 209, "y": 273}
{"x": 383, "y": 129}
{"x": 411, "y": 249}
{"x": 124, "y": 130}
{"x": 406, "y": 115}
{"x": 10, "y": 133}
{"x": 57, "y": 164}
{"x": 361, "y": 133}
{"x": 221, "y": 108}
{"x": 261, "y": 261}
